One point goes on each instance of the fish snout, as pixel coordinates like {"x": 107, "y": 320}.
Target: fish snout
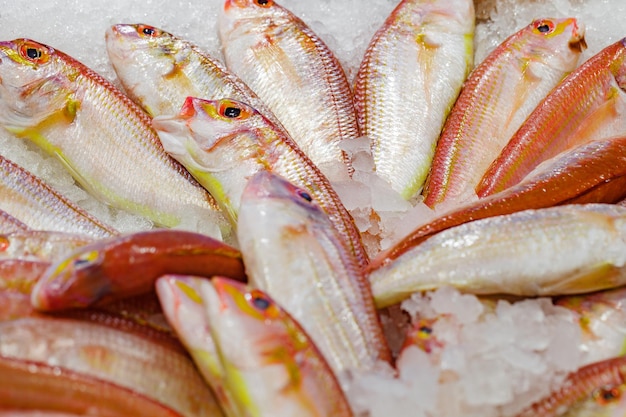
{"x": 578, "y": 43}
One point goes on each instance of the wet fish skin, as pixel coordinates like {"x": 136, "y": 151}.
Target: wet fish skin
{"x": 575, "y": 176}
{"x": 224, "y": 142}
{"x": 408, "y": 81}
{"x": 595, "y": 390}
{"x": 129, "y": 265}
{"x": 160, "y": 70}
{"x": 98, "y": 133}
{"x": 274, "y": 52}
{"x": 584, "y": 106}
{"x": 495, "y": 100}
{"x": 276, "y": 350}
{"x": 184, "y": 308}
{"x": 559, "y": 250}
{"x": 28, "y": 385}
{"x": 127, "y": 359}
{"x": 293, "y": 253}
{"x": 40, "y": 244}
{"x": 38, "y": 206}
{"x": 10, "y": 224}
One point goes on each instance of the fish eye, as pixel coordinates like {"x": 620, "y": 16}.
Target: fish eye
{"x": 544, "y": 26}
{"x": 304, "y": 195}
{"x": 34, "y": 52}
{"x": 4, "y": 243}
{"x": 264, "y": 3}
{"x": 607, "y": 394}
{"x": 260, "y": 301}
{"x": 425, "y": 330}
{"x": 86, "y": 259}
{"x": 148, "y": 31}
{"x": 232, "y": 110}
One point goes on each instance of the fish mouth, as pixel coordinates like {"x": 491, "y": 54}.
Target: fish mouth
{"x": 578, "y": 45}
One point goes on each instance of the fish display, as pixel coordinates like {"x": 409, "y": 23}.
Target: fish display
{"x": 418, "y": 60}
{"x": 294, "y": 254}
{"x": 99, "y": 135}
{"x": 160, "y": 70}
{"x": 252, "y": 294}
{"x": 273, "y": 51}
{"x": 496, "y": 98}
{"x": 224, "y": 142}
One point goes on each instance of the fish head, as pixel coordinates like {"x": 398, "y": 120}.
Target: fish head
{"x": 142, "y": 53}
{"x": 266, "y": 184}
{"x": 239, "y": 17}
{"x": 447, "y": 16}
{"x": 250, "y": 329}
{"x": 34, "y": 84}
{"x": 555, "y": 42}
{"x": 76, "y": 281}
{"x": 218, "y": 142}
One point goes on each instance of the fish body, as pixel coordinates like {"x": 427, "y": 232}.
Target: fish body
{"x": 595, "y": 390}
{"x": 497, "y": 97}
{"x": 160, "y": 70}
{"x": 38, "y": 206}
{"x": 586, "y": 105}
{"x": 129, "y": 360}
{"x": 98, "y": 133}
{"x": 271, "y": 365}
{"x": 44, "y": 390}
{"x": 129, "y": 265}
{"x": 223, "y": 143}
{"x": 570, "y": 177}
{"x": 293, "y": 253}
{"x": 410, "y": 76}
{"x": 182, "y": 303}
{"x": 295, "y": 74}
{"x": 558, "y": 250}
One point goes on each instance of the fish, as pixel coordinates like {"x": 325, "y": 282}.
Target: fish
{"x": 566, "y": 249}
{"x": 296, "y": 74}
{"x": 222, "y": 143}
{"x": 585, "y": 106}
{"x": 408, "y": 81}
{"x": 258, "y": 341}
{"x": 103, "y": 138}
{"x": 294, "y": 254}
{"x": 29, "y": 200}
{"x": 184, "y": 308}
{"x": 595, "y": 390}
{"x": 498, "y": 95}
{"x": 129, "y": 265}
{"x": 159, "y": 70}
{"x": 130, "y": 360}
{"x": 574, "y": 176}
{"x": 48, "y": 389}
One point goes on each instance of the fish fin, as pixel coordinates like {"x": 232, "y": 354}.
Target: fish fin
{"x": 595, "y": 278}
{"x": 608, "y": 117}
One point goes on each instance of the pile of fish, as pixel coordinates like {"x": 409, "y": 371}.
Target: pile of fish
{"x": 274, "y": 302}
